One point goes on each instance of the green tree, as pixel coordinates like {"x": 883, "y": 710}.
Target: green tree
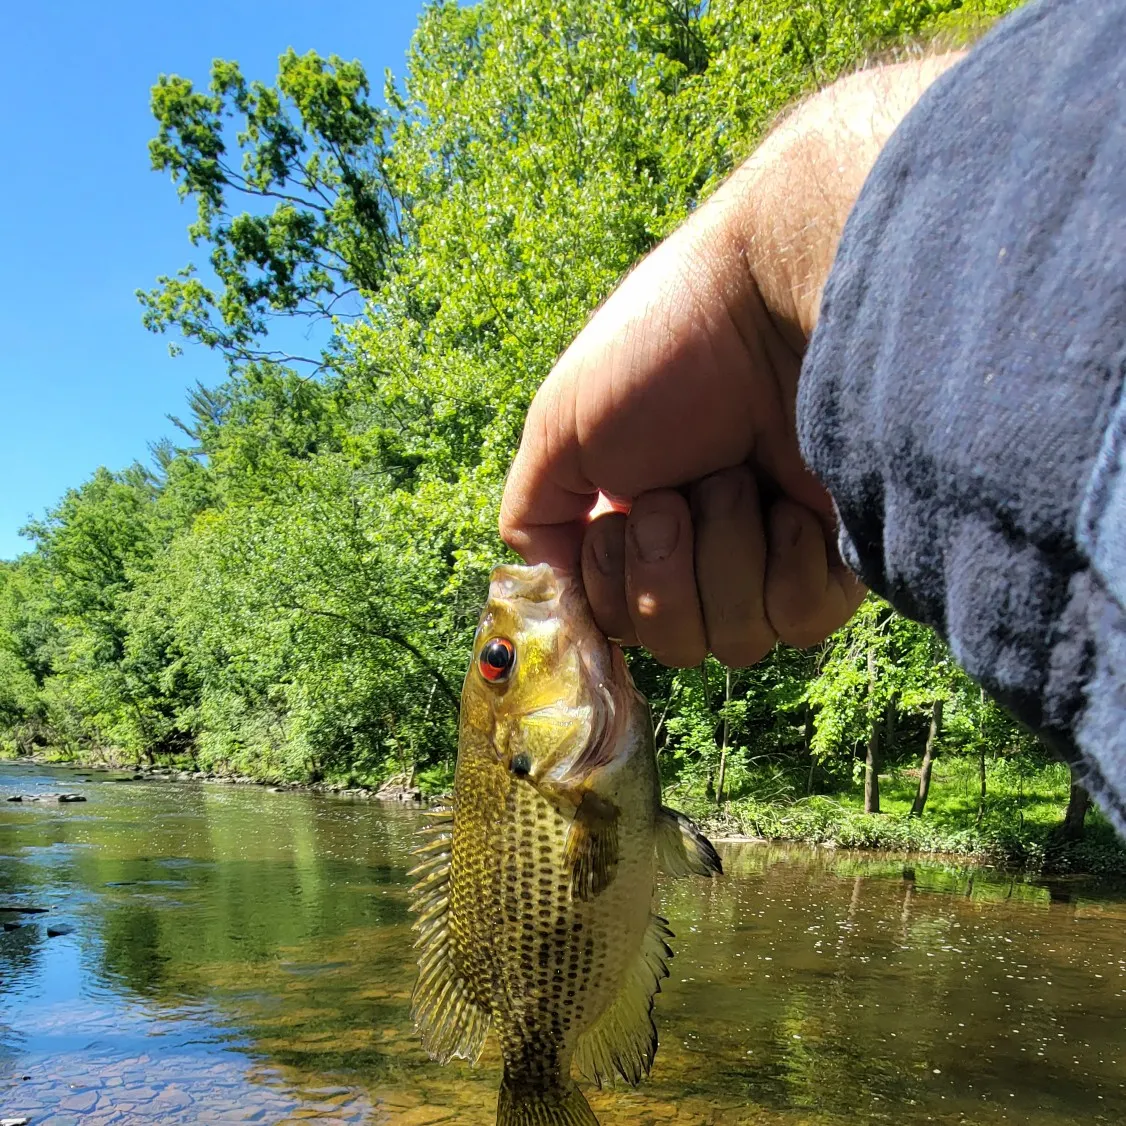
{"x": 291, "y": 589}
{"x": 308, "y": 160}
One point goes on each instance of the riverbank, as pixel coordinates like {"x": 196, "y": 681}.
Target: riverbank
{"x": 1017, "y": 833}
{"x": 398, "y": 788}
{"x": 1016, "y": 825}
{"x": 826, "y": 822}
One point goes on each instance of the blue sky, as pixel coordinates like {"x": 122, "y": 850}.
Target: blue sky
{"x": 84, "y": 222}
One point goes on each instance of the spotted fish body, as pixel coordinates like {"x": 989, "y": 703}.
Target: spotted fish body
{"x": 536, "y": 890}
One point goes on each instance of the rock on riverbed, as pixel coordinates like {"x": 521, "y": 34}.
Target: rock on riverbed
{"x": 399, "y": 787}
{"x": 60, "y": 798}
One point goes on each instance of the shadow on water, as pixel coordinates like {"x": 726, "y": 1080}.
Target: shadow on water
{"x": 246, "y": 956}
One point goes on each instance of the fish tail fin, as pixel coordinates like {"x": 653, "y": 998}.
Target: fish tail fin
{"x": 557, "y": 1106}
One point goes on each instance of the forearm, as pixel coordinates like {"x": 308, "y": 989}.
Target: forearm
{"x": 754, "y": 258}
{"x": 784, "y": 208}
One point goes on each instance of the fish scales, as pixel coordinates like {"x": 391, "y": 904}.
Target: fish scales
{"x": 536, "y": 899}
{"x": 551, "y": 964}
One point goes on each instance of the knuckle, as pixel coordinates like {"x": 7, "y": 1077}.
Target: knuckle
{"x": 740, "y": 652}
{"x": 805, "y": 630}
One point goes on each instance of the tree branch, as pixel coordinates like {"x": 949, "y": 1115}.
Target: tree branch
{"x": 392, "y": 636}
{"x": 240, "y": 183}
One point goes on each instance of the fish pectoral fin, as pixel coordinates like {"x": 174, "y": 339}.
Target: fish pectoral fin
{"x": 624, "y": 1038}
{"x": 591, "y": 851}
{"x": 450, "y": 1022}
{"x": 564, "y": 1105}
{"x": 682, "y": 850}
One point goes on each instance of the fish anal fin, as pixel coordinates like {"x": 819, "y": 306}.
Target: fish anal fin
{"x": 450, "y": 1023}
{"x": 560, "y": 1106}
{"x": 624, "y": 1038}
{"x": 682, "y": 850}
{"x": 591, "y": 850}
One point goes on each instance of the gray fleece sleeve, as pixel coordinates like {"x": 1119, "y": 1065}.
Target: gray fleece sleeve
{"x": 962, "y": 394}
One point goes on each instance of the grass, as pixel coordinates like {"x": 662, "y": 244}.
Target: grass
{"x": 1024, "y": 806}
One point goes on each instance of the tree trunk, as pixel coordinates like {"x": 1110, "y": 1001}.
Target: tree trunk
{"x": 722, "y": 778}
{"x": 1078, "y": 802}
{"x": 872, "y": 772}
{"x": 809, "y": 750}
{"x": 659, "y": 730}
{"x": 928, "y": 760}
{"x": 709, "y": 786}
{"x": 981, "y": 775}
{"x": 981, "y": 766}
{"x": 872, "y": 759}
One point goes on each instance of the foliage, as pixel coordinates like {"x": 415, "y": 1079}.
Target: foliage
{"x": 291, "y": 593}
{"x": 1018, "y": 831}
{"x": 312, "y": 147}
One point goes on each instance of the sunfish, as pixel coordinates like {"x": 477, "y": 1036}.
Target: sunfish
{"x": 536, "y": 889}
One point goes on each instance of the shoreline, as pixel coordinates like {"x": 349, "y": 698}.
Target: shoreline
{"x": 390, "y": 791}
{"x": 1026, "y": 856}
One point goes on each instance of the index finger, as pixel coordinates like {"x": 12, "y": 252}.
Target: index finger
{"x": 668, "y": 382}
{"x": 547, "y": 500}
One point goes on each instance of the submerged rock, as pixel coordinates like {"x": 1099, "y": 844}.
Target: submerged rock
{"x": 57, "y": 930}
{"x": 48, "y": 797}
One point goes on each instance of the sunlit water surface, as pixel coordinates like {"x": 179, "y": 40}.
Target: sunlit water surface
{"x": 245, "y": 956}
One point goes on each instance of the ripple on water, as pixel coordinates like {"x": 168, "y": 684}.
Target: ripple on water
{"x": 240, "y": 958}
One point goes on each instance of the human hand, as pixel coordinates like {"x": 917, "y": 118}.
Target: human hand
{"x": 660, "y": 455}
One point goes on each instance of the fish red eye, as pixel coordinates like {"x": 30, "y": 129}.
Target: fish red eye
{"x": 497, "y": 659}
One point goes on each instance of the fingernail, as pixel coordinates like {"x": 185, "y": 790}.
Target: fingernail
{"x": 721, "y": 494}
{"x": 606, "y": 551}
{"x": 788, "y": 529}
{"x": 655, "y": 535}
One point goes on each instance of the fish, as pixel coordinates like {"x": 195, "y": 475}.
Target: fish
{"x": 535, "y": 886}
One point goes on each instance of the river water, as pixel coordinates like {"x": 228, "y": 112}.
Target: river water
{"x": 245, "y": 956}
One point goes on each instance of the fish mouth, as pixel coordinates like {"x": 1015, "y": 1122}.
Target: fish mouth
{"x": 540, "y": 593}
{"x": 536, "y": 584}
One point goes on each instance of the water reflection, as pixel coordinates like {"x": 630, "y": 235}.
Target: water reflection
{"x": 240, "y": 955}
{"x": 132, "y": 953}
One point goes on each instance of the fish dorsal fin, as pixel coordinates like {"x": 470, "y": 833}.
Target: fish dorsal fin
{"x": 442, "y": 1010}
{"x": 682, "y": 850}
{"x": 624, "y": 1038}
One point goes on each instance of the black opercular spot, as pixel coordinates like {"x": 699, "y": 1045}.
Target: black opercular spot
{"x": 521, "y": 765}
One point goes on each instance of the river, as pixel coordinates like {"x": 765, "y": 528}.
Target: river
{"x": 245, "y": 956}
